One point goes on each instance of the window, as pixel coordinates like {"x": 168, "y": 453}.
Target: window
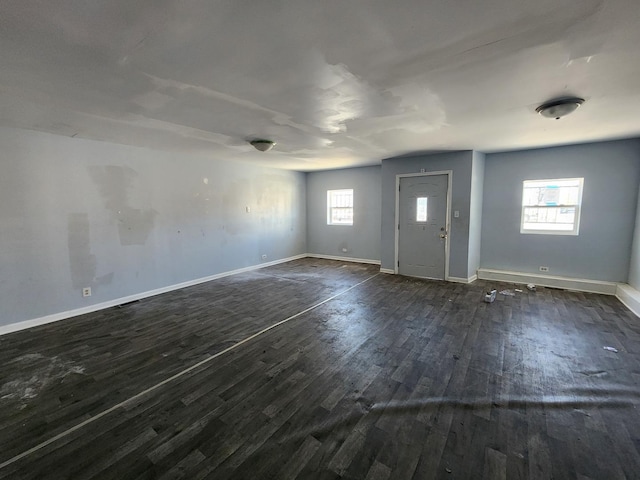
{"x": 551, "y": 206}
{"x": 421, "y": 209}
{"x": 340, "y": 207}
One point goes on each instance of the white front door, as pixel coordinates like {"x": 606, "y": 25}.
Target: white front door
{"x": 422, "y": 229}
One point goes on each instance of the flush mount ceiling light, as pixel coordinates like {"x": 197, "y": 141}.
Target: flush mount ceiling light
{"x": 559, "y": 107}
{"x": 262, "y": 145}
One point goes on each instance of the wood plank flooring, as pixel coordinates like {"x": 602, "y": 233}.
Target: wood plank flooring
{"x": 397, "y": 378}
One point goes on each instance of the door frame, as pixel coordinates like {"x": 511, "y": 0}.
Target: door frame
{"x": 449, "y": 174}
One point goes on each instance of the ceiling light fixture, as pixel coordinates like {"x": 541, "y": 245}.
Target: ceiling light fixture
{"x": 559, "y": 107}
{"x": 262, "y": 145}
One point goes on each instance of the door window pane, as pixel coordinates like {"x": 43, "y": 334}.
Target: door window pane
{"x": 421, "y": 209}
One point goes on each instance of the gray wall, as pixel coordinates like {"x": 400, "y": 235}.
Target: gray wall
{"x": 611, "y": 172}
{"x": 123, "y": 220}
{"x": 461, "y": 164}
{"x": 475, "y": 212}
{"x": 634, "y": 262}
{"x": 362, "y": 240}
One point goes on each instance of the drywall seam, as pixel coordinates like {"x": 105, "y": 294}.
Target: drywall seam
{"x": 578, "y": 284}
{"x": 14, "y": 327}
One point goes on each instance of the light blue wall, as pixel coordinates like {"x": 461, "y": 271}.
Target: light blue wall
{"x": 362, "y": 240}
{"x": 634, "y": 263}
{"x": 461, "y": 164}
{"x": 611, "y": 172}
{"x": 475, "y": 212}
{"x": 123, "y": 220}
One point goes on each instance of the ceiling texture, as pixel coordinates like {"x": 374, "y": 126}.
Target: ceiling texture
{"x": 336, "y": 83}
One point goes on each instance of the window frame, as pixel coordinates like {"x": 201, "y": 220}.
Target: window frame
{"x": 578, "y": 208}
{"x": 331, "y": 206}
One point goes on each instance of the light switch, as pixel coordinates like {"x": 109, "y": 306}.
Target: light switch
{"x": 248, "y": 209}
{"x": 456, "y": 213}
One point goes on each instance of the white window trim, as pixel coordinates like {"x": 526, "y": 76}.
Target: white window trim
{"x": 578, "y": 207}
{"x": 329, "y": 206}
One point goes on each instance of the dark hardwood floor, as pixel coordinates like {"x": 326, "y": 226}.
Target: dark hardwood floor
{"x": 397, "y": 378}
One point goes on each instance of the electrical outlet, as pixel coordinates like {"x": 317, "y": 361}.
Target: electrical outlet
{"x": 86, "y": 292}
{"x": 344, "y": 250}
{"x": 264, "y": 257}
{"x": 544, "y": 269}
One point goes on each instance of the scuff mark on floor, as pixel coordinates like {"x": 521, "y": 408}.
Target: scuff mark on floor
{"x": 33, "y": 373}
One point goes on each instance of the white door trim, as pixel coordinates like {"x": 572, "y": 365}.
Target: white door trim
{"x": 449, "y": 174}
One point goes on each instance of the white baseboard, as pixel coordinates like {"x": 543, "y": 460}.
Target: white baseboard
{"x": 14, "y": 327}
{"x": 471, "y": 279}
{"x": 625, "y": 293}
{"x": 568, "y": 283}
{"x": 343, "y": 259}
{"x": 630, "y": 297}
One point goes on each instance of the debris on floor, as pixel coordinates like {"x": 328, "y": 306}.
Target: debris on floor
{"x": 490, "y": 296}
{"x": 577, "y": 410}
{"x": 507, "y": 293}
{"x": 611, "y": 349}
{"x": 517, "y": 290}
{"x": 531, "y": 286}
{"x": 33, "y": 373}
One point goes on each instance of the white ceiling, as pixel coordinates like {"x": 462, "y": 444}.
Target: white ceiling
{"x": 335, "y": 83}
